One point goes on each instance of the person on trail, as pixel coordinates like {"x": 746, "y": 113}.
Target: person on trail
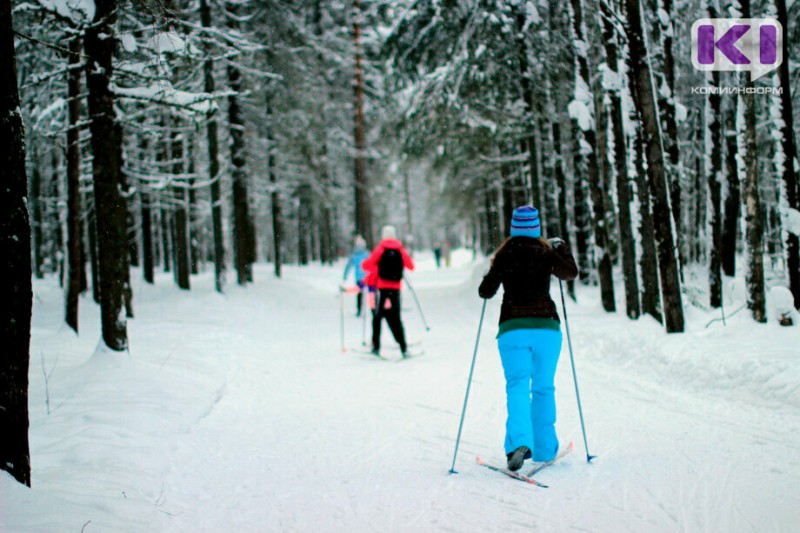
{"x": 529, "y": 337}
{"x": 387, "y": 262}
{"x": 360, "y": 253}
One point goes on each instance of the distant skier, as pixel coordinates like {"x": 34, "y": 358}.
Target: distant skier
{"x": 529, "y": 337}
{"x": 358, "y": 255}
{"x": 388, "y": 261}
{"x": 437, "y": 254}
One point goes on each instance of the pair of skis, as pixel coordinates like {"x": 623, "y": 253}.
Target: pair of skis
{"x": 537, "y": 467}
{"x": 412, "y": 351}
{"x": 410, "y": 354}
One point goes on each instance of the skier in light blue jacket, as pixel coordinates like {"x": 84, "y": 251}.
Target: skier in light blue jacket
{"x": 358, "y": 255}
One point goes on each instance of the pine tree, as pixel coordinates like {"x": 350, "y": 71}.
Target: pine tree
{"x": 107, "y": 169}
{"x": 791, "y": 160}
{"x": 582, "y": 112}
{"x": 646, "y": 103}
{"x": 15, "y": 269}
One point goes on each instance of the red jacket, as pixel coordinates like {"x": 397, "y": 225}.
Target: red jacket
{"x": 370, "y": 264}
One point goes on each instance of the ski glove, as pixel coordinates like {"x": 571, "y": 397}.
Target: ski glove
{"x": 556, "y": 242}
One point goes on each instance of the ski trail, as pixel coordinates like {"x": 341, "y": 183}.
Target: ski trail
{"x": 256, "y": 421}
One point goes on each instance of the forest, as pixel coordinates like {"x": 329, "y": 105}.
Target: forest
{"x": 187, "y": 136}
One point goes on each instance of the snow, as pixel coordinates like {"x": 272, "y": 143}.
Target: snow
{"x": 240, "y": 412}
{"x": 681, "y": 112}
{"x": 79, "y": 11}
{"x": 790, "y": 219}
{"x": 781, "y": 300}
{"x": 128, "y": 42}
{"x": 57, "y": 106}
{"x": 581, "y": 113}
{"x": 663, "y": 17}
{"x": 531, "y": 16}
{"x": 581, "y": 48}
{"x": 580, "y": 108}
{"x": 201, "y": 103}
{"x": 611, "y": 80}
{"x": 171, "y": 42}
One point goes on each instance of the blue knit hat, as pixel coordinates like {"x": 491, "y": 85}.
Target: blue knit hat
{"x": 525, "y": 222}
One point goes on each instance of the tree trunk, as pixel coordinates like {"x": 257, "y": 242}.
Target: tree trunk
{"x": 107, "y": 169}
{"x": 363, "y": 207}
{"x": 526, "y": 76}
{"x": 304, "y": 223}
{"x": 586, "y": 134}
{"x": 213, "y": 158}
{"x": 15, "y": 269}
{"x": 148, "y": 263}
{"x": 715, "y": 193}
{"x": 84, "y": 278}
{"x": 275, "y": 197}
{"x": 37, "y": 215}
{"x": 756, "y": 298}
{"x": 241, "y": 215}
{"x": 730, "y": 227}
{"x": 651, "y": 299}
{"x": 95, "y": 263}
{"x": 645, "y": 102}
{"x": 166, "y": 237}
{"x": 55, "y": 224}
{"x": 328, "y": 212}
{"x": 626, "y": 237}
{"x": 195, "y": 256}
{"x": 514, "y": 191}
{"x": 790, "y": 163}
{"x": 181, "y": 243}
{"x": 74, "y": 229}
{"x": 580, "y": 209}
{"x": 409, "y": 220}
{"x": 493, "y": 234}
{"x": 552, "y": 136}
{"x": 666, "y": 104}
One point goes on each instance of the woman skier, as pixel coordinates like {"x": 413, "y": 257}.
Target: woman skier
{"x": 360, "y": 253}
{"x": 529, "y": 337}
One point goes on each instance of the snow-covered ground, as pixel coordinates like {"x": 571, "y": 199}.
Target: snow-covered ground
{"x": 242, "y": 413}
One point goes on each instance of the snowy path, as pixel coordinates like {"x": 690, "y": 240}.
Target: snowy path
{"x": 248, "y": 417}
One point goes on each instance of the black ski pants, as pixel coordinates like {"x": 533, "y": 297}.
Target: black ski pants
{"x": 392, "y": 315}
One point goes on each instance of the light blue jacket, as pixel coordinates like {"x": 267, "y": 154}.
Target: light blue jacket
{"x": 359, "y": 254}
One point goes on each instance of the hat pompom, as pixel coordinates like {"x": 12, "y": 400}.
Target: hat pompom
{"x": 388, "y": 232}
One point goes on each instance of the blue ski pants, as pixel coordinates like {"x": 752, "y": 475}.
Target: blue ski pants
{"x": 530, "y": 357}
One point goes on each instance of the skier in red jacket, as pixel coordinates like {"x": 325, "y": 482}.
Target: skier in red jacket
{"x": 388, "y": 260}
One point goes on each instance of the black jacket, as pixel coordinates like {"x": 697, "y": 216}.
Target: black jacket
{"x": 523, "y": 266}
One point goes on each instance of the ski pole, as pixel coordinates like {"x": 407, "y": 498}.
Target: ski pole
{"x": 364, "y": 307}
{"x": 414, "y": 293}
{"x": 574, "y": 374}
{"x": 469, "y": 384}
{"x": 341, "y": 316}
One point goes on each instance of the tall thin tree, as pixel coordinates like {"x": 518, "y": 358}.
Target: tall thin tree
{"x": 15, "y": 268}
{"x": 756, "y": 298}
{"x": 363, "y": 207}
{"x": 106, "y": 141}
{"x": 213, "y": 159}
{"x": 614, "y": 90}
{"x": 791, "y": 162}
{"x": 583, "y": 114}
{"x": 74, "y": 225}
{"x": 645, "y": 101}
